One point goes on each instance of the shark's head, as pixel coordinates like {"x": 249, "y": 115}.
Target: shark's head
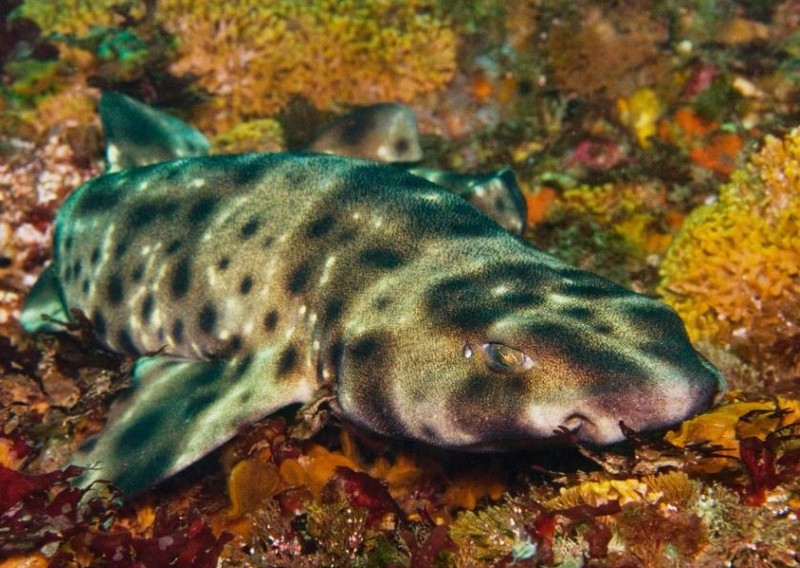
{"x": 514, "y": 349}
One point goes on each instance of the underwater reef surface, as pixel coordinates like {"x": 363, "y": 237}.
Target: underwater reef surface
{"x": 655, "y": 144}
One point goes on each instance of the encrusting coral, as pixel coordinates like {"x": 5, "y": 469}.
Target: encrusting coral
{"x": 732, "y": 272}
{"x": 253, "y": 57}
{"x": 351, "y": 52}
{"x": 77, "y": 17}
{"x": 607, "y": 50}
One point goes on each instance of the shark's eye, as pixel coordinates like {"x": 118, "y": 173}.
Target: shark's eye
{"x": 504, "y": 359}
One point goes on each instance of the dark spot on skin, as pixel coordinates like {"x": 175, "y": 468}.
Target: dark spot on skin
{"x": 476, "y": 388}
{"x": 243, "y": 366}
{"x": 196, "y": 404}
{"x": 68, "y": 243}
{"x": 320, "y": 227}
{"x": 379, "y": 409}
{"x": 298, "y": 279}
{"x": 477, "y": 317}
{"x": 154, "y": 463}
{"x": 469, "y": 406}
{"x": 522, "y": 299}
{"x": 587, "y": 283}
{"x": 126, "y": 343}
{"x": 160, "y": 334}
{"x": 181, "y": 278}
{"x": 268, "y": 241}
{"x": 99, "y": 324}
{"x": 658, "y": 317}
{"x": 142, "y": 215}
{"x": 271, "y": 321}
{"x": 250, "y": 228}
{"x": 115, "y": 291}
{"x": 177, "y": 330}
{"x": 120, "y": 250}
{"x": 355, "y": 127}
{"x": 577, "y": 312}
{"x": 246, "y": 285}
{"x": 248, "y": 171}
{"x": 140, "y": 431}
{"x": 138, "y": 272}
{"x": 381, "y": 258}
{"x": 382, "y": 303}
{"x": 66, "y": 273}
{"x": 234, "y": 344}
{"x": 202, "y": 209}
{"x": 332, "y": 310}
{"x": 99, "y": 197}
{"x": 374, "y": 403}
{"x": 85, "y": 286}
{"x": 401, "y": 146}
{"x": 295, "y": 178}
{"x": 77, "y": 268}
{"x": 224, "y": 263}
{"x": 450, "y": 285}
{"x": 147, "y": 306}
{"x": 174, "y": 246}
{"x": 95, "y": 256}
{"x": 365, "y": 348}
{"x": 207, "y": 320}
{"x": 453, "y": 292}
{"x": 336, "y": 353}
{"x": 245, "y": 397}
{"x": 287, "y": 360}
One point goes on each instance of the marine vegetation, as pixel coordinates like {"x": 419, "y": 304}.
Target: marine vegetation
{"x": 331, "y": 53}
{"x": 732, "y": 272}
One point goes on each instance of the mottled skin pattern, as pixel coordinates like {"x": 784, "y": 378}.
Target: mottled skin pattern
{"x": 258, "y": 278}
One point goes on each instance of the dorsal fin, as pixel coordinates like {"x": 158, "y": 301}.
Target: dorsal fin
{"x": 137, "y": 134}
{"x": 496, "y": 194}
{"x": 384, "y": 132}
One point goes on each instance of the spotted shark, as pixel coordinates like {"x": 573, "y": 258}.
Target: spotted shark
{"x": 245, "y": 283}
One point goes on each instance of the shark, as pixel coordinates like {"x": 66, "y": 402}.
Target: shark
{"x": 242, "y": 284}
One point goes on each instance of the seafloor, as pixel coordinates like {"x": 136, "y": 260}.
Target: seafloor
{"x": 655, "y": 145}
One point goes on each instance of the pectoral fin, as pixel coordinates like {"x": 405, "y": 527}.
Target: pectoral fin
{"x": 45, "y": 309}
{"x": 177, "y": 411}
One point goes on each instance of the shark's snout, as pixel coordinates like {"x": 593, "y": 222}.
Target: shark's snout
{"x": 642, "y": 407}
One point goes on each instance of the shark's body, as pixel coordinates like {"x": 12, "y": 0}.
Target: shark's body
{"x": 244, "y": 283}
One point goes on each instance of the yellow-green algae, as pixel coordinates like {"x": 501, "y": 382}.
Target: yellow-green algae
{"x": 253, "y": 57}
{"x": 733, "y": 271}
